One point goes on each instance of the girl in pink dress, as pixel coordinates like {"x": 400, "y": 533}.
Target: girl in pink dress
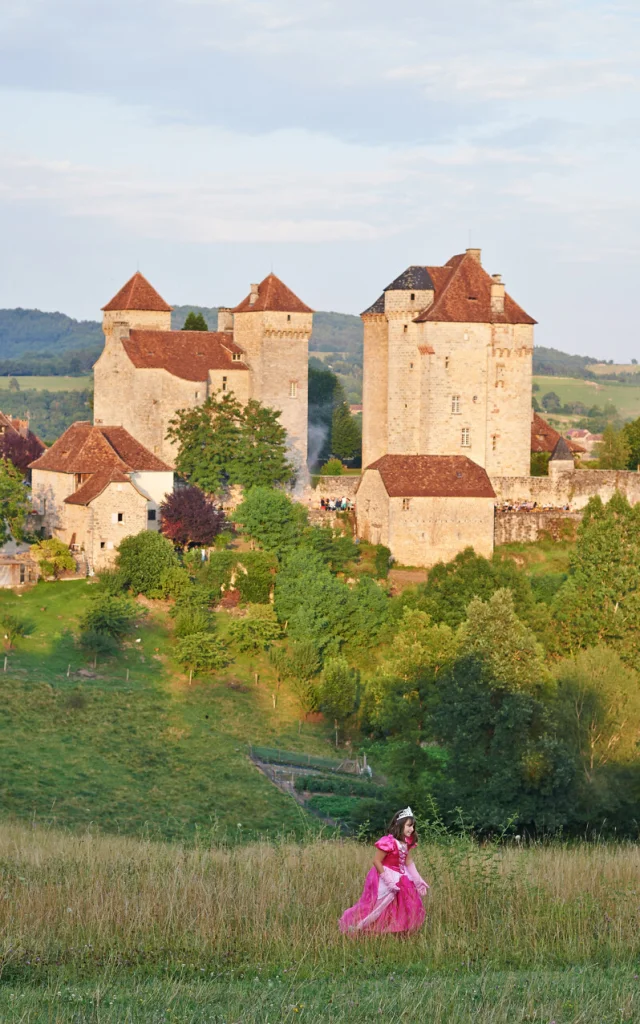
{"x": 391, "y": 900}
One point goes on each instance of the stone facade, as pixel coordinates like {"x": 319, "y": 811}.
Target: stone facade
{"x": 447, "y": 369}
{"x": 569, "y": 488}
{"x": 146, "y": 372}
{"x": 421, "y": 531}
{"x": 528, "y": 527}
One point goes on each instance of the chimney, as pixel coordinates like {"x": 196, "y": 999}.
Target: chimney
{"x": 225, "y": 320}
{"x": 120, "y": 330}
{"x": 475, "y": 254}
{"x": 497, "y": 294}
{"x": 253, "y": 295}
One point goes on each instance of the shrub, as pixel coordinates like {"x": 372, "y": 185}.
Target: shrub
{"x": 174, "y": 582}
{"x": 337, "y": 784}
{"x": 192, "y": 620}
{"x": 54, "y": 557}
{"x": 257, "y": 632}
{"x": 339, "y": 808}
{"x": 111, "y": 582}
{"x": 256, "y": 583}
{"x": 382, "y": 560}
{"x": 113, "y": 616}
{"x": 201, "y": 652}
{"x": 95, "y": 643}
{"x": 272, "y": 519}
{"x": 333, "y": 467}
{"x": 12, "y": 626}
{"x": 189, "y": 517}
{"x": 216, "y": 573}
{"x": 144, "y": 559}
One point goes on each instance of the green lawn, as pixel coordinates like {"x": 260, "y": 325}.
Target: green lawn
{"x": 145, "y": 753}
{"x": 626, "y": 397}
{"x": 49, "y": 383}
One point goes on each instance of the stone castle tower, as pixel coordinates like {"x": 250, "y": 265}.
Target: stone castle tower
{"x": 147, "y": 372}
{"x": 447, "y": 369}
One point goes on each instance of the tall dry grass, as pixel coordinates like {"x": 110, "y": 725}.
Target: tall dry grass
{"x": 65, "y": 898}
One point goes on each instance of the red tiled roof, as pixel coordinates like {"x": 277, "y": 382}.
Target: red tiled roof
{"x": 463, "y": 295}
{"x": 95, "y": 485}
{"x": 544, "y": 438}
{"x": 186, "y": 354}
{"x": 84, "y": 448}
{"x": 137, "y": 293}
{"x": 274, "y": 296}
{"x": 433, "y": 476}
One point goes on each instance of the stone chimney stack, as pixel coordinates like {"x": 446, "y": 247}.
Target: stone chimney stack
{"x": 497, "y": 294}
{"x": 225, "y": 320}
{"x": 119, "y": 331}
{"x": 475, "y": 254}
{"x": 253, "y": 296}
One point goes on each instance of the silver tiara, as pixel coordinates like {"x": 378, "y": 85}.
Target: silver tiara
{"x": 407, "y": 813}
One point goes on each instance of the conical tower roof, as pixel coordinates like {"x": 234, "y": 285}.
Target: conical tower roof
{"x": 561, "y": 452}
{"x": 274, "y": 296}
{"x": 137, "y": 293}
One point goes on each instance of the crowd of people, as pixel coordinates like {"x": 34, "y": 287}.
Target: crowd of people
{"x": 529, "y": 506}
{"x": 336, "y": 504}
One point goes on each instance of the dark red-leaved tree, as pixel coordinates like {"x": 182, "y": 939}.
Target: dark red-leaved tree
{"x": 20, "y": 450}
{"x": 188, "y": 518}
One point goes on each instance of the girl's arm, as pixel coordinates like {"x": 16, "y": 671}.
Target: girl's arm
{"x": 378, "y": 858}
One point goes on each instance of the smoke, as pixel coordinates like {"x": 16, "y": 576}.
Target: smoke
{"x": 316, "y": 441}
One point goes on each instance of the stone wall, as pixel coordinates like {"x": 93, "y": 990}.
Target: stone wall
{"x": 105, "y": 532}
{"x": 573, "y": 488}
{"x": 528, "y": 527}
{"x": 336, "y": 487}
{"x": 374, "y": 388}
{"x": 48, "y": 493}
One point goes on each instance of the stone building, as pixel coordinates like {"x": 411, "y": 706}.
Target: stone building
{"x": 147, "y": 372}
{"x": 447, "y": 368}
{"x": 95, "y": 486}
{"x": 426, "y": 508}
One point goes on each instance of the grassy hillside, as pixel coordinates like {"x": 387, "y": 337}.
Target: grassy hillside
{"x": 133, "y": 748}
{"x": 626, "y": 397}
{"x": 57, "y": 383}
{"x": 114, "y": 930}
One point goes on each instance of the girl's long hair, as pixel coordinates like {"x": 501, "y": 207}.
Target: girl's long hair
{"x": 396, "y": 826}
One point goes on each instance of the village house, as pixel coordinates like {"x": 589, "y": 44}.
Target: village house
{"x": 95, "y": 486}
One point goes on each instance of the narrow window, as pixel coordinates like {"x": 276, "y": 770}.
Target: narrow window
{"x": 455, "y": 403}
{"x": 120, "y": 517}
{"x": 293, "y": 389}
{"x": 236, "y": 357}
{"x": 197, "y": 394}
{"x": 413, "y": 296}
{"x": 224, "y": 383}
{"x": 494, "y": 442}
{"x": 102, "y": 544}
{"x": 406, "y": 504}
{"x": 22, "y": 574}
{"x": 151, "y": 515}
{"x": 288, "y": 318}
{"x": 405, "y": 328}
{"x": 466, "y": 437}
{"x": 446, "y": 362}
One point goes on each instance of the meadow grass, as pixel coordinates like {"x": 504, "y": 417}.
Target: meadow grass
{"x": 625, "y": 397}
{"x": 114, "y": 929}
{"x": 50, "y": 383}
{"x": 539, "y": 557}
{"x": 132, "y": 748}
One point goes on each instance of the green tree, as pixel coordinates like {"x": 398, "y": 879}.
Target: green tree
{"x": 201, "y": 652}
{"x": 258, "y": 631}
{"x": 95, "y": 644}
{"x": 14, "y": 502}
{"x": 631, "y": 433}
{"x": 551, "y": 402}
{"x": 272, "y": 519}
{"x": 339, "y": 691}
{"x": 262, "y": 455}
{"x": 143, "y": 561}
{"x": 208, "y": 440}
{"x": 221, "y": 442}
{"x": 600, "y": 602}
{"x": 14, "y": 384}
{"x": 12, "y": 627}
{"x": 114, "y": 616}
{"x": 315, "y": 605}
{"x": 53, "y": 556}
{"x": 613, "y": 451}
{"x": 599, "y": 708}
{"x": 346, "y": 440}
{"x": 333, "y": 467}
{"x": 195, "y": 322}
{"x": 504, "y": 646}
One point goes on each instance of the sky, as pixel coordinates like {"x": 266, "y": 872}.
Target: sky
{"x": 335, "y": 142}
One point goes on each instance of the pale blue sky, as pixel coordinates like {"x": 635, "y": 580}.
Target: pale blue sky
{"x": 335, "y": 141}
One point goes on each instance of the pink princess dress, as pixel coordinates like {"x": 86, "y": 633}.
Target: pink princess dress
{"x": 390, "y": 902}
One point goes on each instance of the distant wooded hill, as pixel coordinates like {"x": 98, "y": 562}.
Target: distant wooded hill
{"x": 37, "y": 343}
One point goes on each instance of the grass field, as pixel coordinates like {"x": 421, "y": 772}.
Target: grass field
{"x": 135, "y": 749}
{"x": 50, "y": 383}
{"x": 626, "y": 397}
{"x": 113, "y": 930}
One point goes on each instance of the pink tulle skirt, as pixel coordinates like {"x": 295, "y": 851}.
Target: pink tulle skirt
{"x": 380, "y": 910}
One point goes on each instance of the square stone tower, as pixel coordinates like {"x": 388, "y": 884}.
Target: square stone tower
{"x": 447, "y": 368}
{"x": 272, "y": 326}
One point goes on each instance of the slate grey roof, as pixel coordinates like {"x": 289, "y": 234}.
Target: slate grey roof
{"x": 377, "y": 307}
{"x": 561, "y": 452}
{"x": 413, "y": 278}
